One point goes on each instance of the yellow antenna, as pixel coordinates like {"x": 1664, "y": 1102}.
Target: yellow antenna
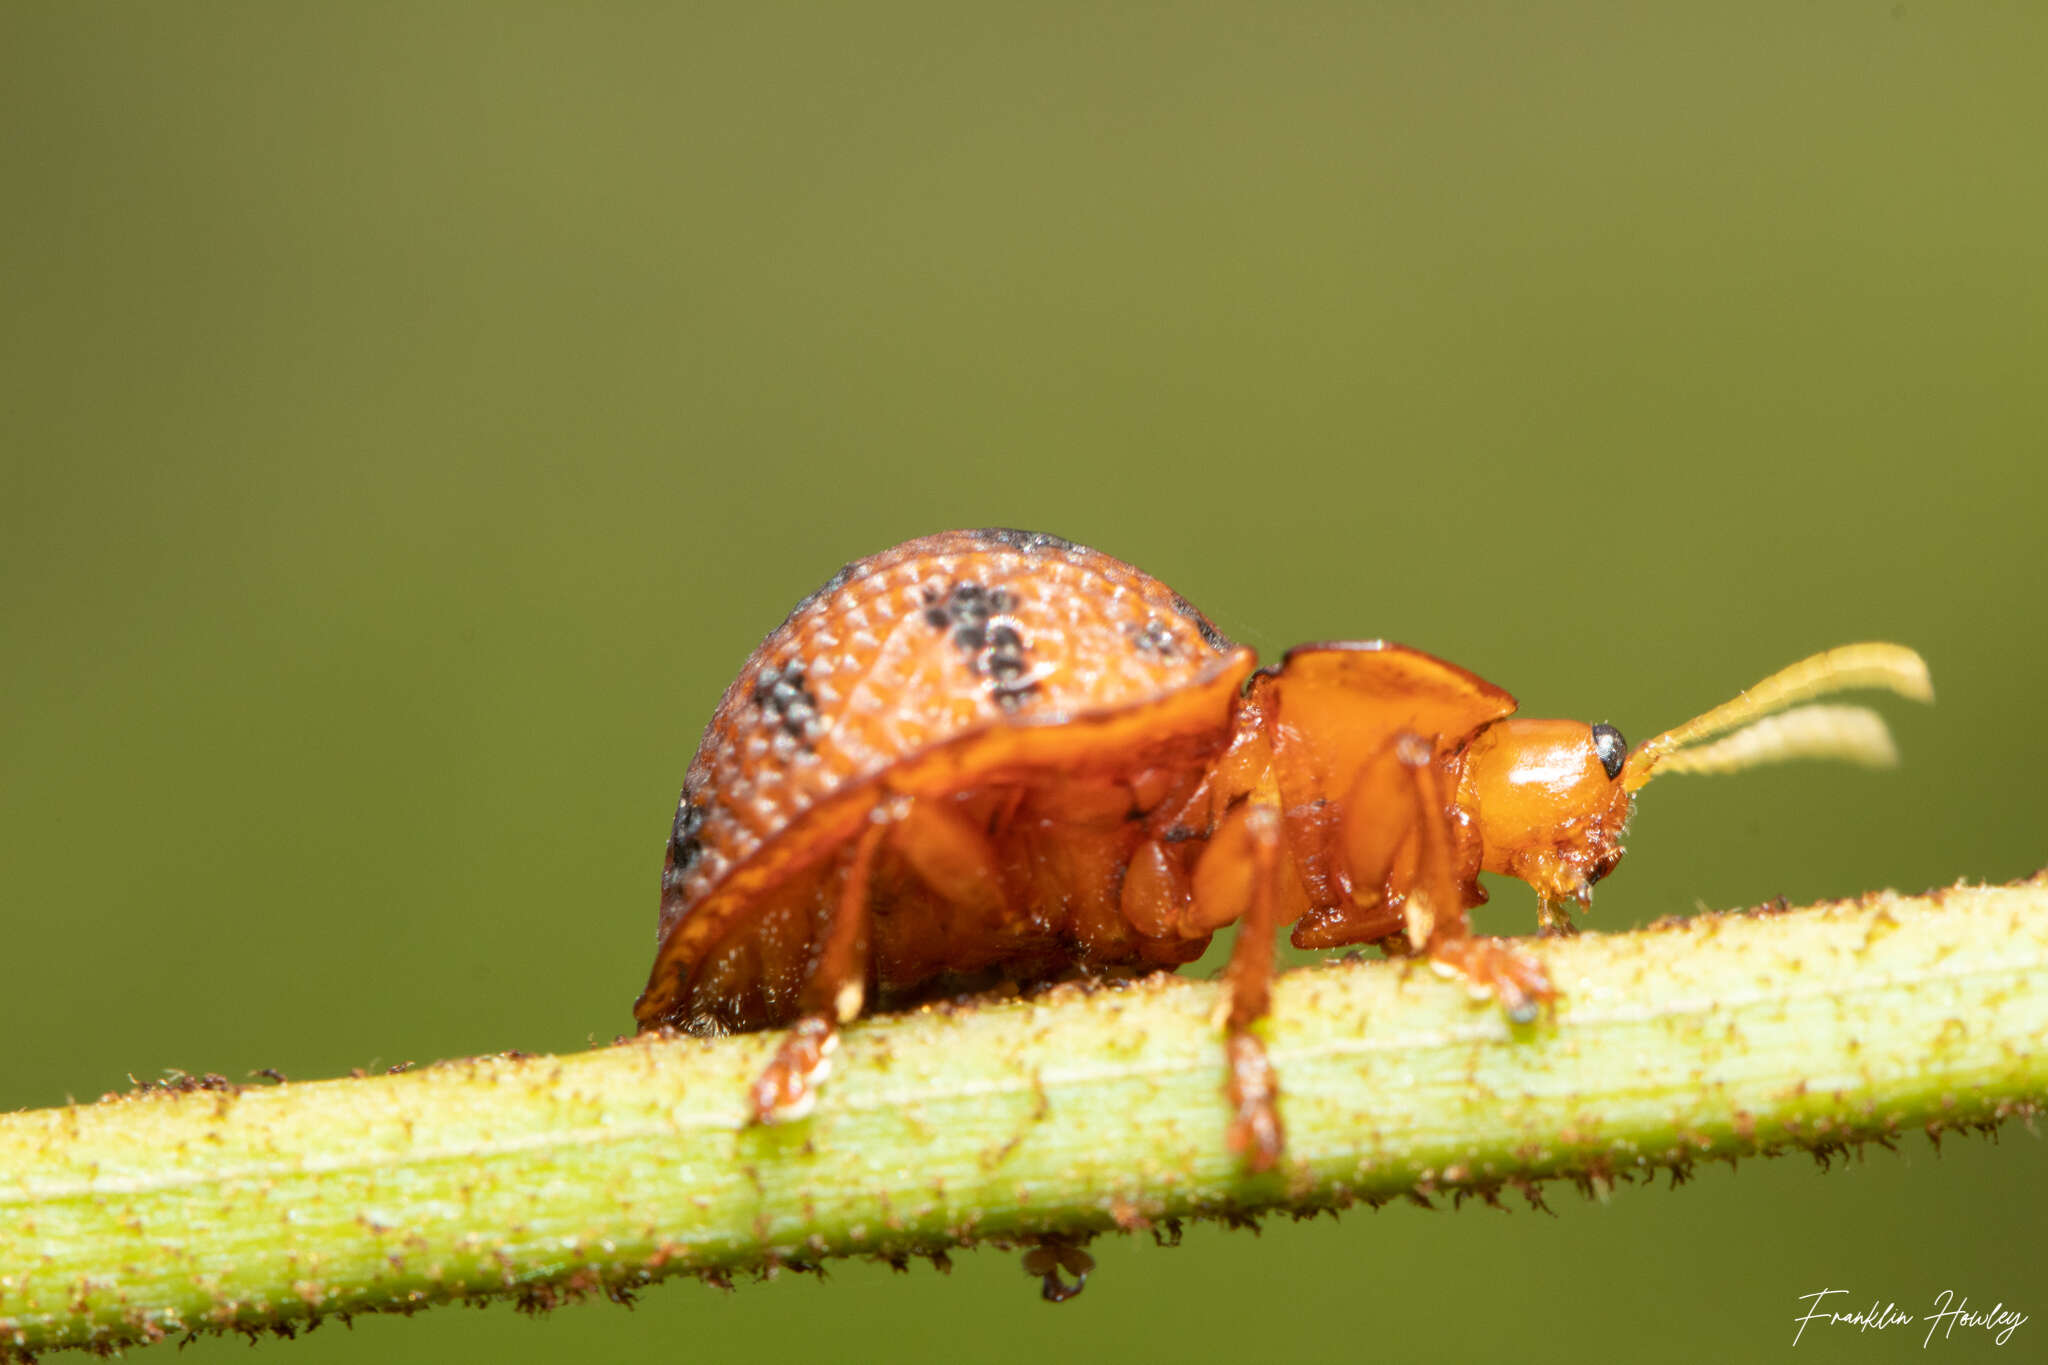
{"x": 1811, "y": 732}
{"x": 1855, "y": 734}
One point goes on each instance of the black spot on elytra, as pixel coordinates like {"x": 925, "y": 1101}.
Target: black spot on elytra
{"x": 1155, "y": 637}
{"x": 1004, "y": 663}
{"x": 988, "y": 537}
{"x": 992, "y": 645}
{"x": 784, "y": 700}
{"x": 685, "y": 846}
{"x": 967, "y": 608}
{"x": 1033, "y": 541}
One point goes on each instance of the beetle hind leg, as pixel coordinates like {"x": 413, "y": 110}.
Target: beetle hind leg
{"x": 788, "y": 1088}
{"x": 833, "y": 993}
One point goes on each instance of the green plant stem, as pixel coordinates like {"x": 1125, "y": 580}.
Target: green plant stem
{"x": 1083, "y": 1110}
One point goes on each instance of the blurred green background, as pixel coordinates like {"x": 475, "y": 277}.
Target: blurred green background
{"x": 414, "y": 414}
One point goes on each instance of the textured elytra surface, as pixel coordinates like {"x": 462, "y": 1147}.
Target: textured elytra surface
{"x": 900, "y": 655}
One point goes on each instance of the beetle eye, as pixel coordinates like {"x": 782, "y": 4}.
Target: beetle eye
{"x": 1612, "y": 748}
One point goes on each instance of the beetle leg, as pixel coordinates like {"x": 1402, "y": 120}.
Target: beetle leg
{"x": 1237, "y": 878}
{"x": 1374, "y": 837}
{"x": 1428, "y": 888}
{"x": 832, "y": 993}
{"x": 1157, "y": 894}
{"x": 1553, "y": 918}
{"x": 950, "y": 856}
{"x": 953, "y": 858}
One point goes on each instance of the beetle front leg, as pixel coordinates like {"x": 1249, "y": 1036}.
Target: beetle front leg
{"x": 1553, "y": 918}
{"x": 1237, "y": 878}
{"x": 832, "y": 995}
{"x": 1418, "y": 868}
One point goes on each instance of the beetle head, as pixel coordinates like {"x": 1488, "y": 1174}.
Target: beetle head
{"x": 1548, "y": 801}
{"x": 1551, "y": 798}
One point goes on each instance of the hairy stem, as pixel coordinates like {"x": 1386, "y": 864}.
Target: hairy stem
{"x": 186, "y": 1208}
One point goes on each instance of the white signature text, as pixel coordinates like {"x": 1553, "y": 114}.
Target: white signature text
{"x": 1951, "y": 1311}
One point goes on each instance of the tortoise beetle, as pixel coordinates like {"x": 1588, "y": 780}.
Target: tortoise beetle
{"x": 994, "y": 755}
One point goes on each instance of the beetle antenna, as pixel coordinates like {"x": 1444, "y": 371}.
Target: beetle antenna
{"x": 1818, "y": 732}
{"x": 1855, "y": 734}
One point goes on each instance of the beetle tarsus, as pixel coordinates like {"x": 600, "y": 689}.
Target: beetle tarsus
{"x": 1496, "y": 967}
{"x": 1554, "y": 919}
{"x": 787, "y": 1089}
{"x": 1255, "y": 1132}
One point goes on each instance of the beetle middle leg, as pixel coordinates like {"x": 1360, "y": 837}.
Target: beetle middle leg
{"x": 1238, "y": 878}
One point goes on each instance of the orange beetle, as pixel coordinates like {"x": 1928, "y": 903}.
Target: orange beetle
{"x": 995, "y": 755}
